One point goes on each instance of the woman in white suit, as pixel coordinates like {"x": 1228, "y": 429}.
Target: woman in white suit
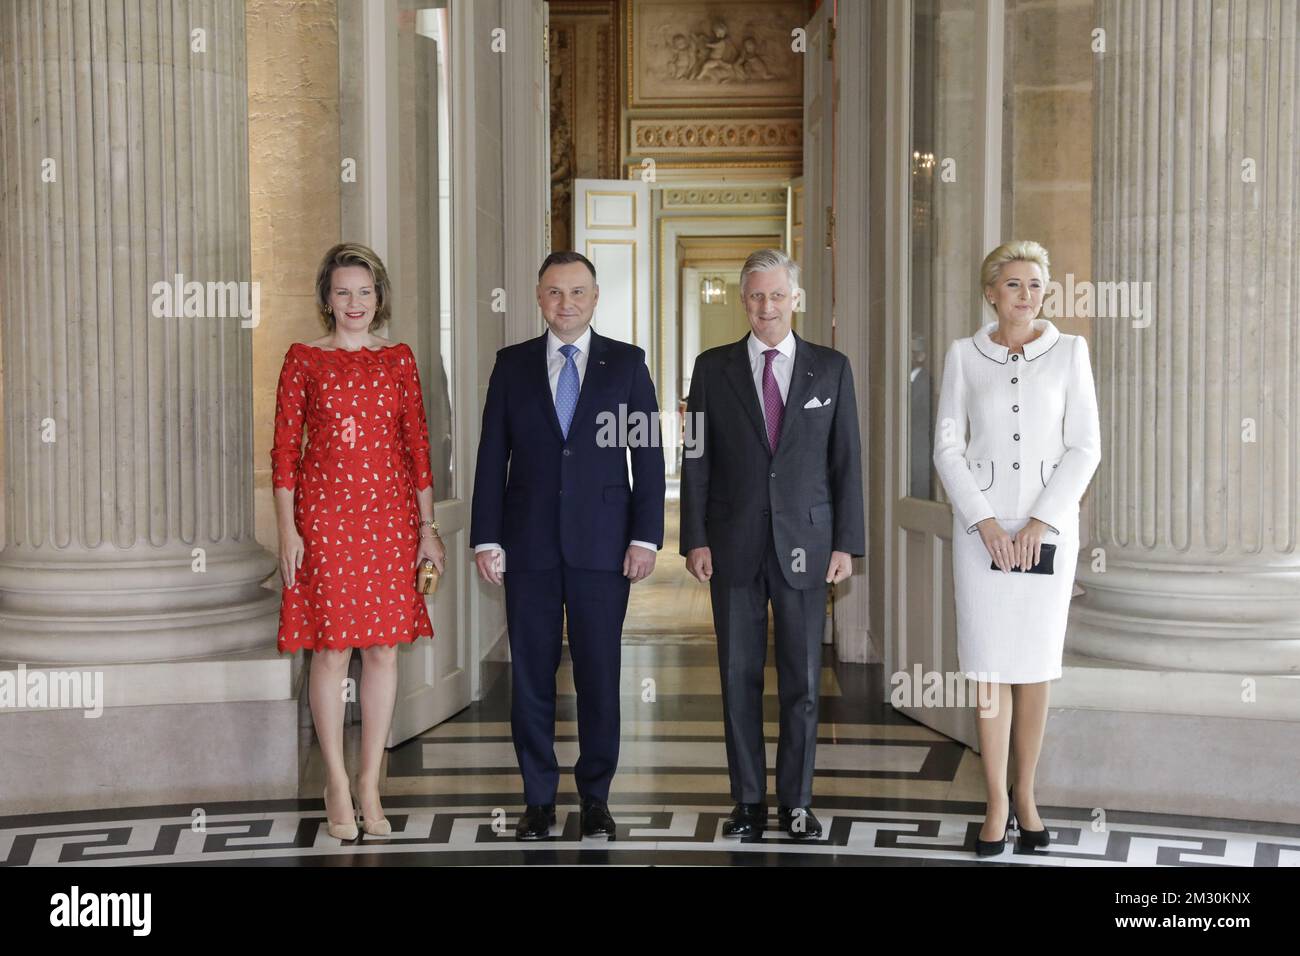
{"x": 1026, "y": 393}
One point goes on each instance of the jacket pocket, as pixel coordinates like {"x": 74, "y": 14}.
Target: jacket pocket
{"x": 820, "y": 514}
{"x": 982, "y": 469}
{"x": 616, "y": 494}
{"x": 1046, "y": 468}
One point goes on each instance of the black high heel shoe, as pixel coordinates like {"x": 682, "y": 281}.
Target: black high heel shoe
{"x": 1029, "y": 839}
{"x": 994, "y": 847}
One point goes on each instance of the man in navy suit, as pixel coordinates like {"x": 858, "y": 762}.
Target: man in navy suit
{"x": 555, "y": 519}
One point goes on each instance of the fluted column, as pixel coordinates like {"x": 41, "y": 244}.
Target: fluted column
{"x": 1196, "y": 181}
{"x": 128, "y": 437}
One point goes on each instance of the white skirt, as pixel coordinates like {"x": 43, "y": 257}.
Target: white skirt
{"x": 1011, "y": 625}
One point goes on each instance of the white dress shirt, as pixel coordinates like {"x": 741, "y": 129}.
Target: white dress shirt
{"x": 555, "y": 358}
{"x": 782, "y": 365}
{"x": 555, "y": 361}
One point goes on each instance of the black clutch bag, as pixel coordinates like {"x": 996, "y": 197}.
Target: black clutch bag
{"x": 1047, "y": 554}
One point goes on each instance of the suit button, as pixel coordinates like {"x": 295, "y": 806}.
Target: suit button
{"x": 568, "y": 452}
{"x": 772, "y": 475}
{"x": 765, "y": 514}
{"x": 1015, "y": 408}
{"x": 1016, "y": 465}
{"x": 1016, "y": 437}
{"x": 1014, "y": 380}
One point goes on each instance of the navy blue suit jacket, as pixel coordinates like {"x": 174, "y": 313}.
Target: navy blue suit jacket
{"x": 543, "y": 498}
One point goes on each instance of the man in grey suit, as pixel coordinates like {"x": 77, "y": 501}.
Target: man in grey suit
{"x": 771, "y": 511}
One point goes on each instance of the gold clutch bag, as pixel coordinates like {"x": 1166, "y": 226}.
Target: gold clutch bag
{"x": 426, "y": 578}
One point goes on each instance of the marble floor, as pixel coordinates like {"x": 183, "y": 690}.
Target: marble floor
{"x": 888, "y": 791}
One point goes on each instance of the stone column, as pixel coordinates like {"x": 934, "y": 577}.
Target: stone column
{"x": 128, "y": 436}
{"x": 1196, "y": 505}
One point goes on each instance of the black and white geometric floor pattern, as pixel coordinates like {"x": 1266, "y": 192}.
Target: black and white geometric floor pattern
{"x": 480, "y": 830}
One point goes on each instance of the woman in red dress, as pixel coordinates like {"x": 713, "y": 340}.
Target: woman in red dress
{"x": 355, "y": 515}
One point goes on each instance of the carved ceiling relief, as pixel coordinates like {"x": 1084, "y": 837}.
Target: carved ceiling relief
{"x": 713, "y": 88}
{"x": 682, "y": 53}
{"x": 717, "y": 55}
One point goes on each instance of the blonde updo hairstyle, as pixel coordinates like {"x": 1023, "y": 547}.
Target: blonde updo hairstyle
{"x": 1020, "y": 250}
{"x": 353, "y": 254}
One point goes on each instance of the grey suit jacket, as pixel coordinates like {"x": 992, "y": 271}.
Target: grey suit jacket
{"x": 808, "y": 495}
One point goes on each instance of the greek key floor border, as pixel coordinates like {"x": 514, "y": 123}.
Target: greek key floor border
{"x": 874, "y": 831}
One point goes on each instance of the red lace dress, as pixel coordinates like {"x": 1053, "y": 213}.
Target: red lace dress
{"x": 354, "y": 497}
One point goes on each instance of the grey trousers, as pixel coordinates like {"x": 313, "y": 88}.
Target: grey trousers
{"x": 740, "y": 620}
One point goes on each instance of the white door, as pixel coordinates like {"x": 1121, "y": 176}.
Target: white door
{"x": 944, "y": 189}
{"x": 814, "y": 321}
{"x": 611, "y": 227}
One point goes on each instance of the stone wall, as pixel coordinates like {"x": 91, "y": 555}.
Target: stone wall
{"x": 1047, "y": 134}
{"x": 294, "y": 182}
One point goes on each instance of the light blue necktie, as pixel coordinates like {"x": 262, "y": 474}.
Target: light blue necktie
{"x": 566, "y": 389}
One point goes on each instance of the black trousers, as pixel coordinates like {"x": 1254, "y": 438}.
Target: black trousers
{"x": 740, "y": 620}
{"x": 536, "y": 602}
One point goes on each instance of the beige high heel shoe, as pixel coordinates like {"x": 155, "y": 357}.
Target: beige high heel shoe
{"x": 340, "y": 831}
{"x": 380, "y": 827}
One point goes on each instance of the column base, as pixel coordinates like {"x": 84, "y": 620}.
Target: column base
{"x": 1222, "y": 619}
{"x": 1163, "y": 741}
{"x": 118, "y": 606}
{"x": 190, "y": 733}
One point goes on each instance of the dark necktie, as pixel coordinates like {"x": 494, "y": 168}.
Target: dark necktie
{"x": 773, "y": 406}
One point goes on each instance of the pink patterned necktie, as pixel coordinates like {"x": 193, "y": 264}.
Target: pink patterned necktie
{"x": 773, "y": 406}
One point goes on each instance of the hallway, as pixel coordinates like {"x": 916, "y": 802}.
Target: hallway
{"x": 882, "y": 180}
{"x": 888, "y": 790}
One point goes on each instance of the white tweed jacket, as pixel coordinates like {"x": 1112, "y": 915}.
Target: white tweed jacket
{"x": 1034, "y": 435}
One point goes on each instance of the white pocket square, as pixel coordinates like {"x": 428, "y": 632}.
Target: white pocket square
{"x": 814, "y": 403}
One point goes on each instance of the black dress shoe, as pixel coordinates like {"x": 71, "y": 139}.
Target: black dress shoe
{"x": 596, "y": 820}
{"x": 746, "y": 820}
{"x": 536, "y": 822}
{"x": 799, "y": 822}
